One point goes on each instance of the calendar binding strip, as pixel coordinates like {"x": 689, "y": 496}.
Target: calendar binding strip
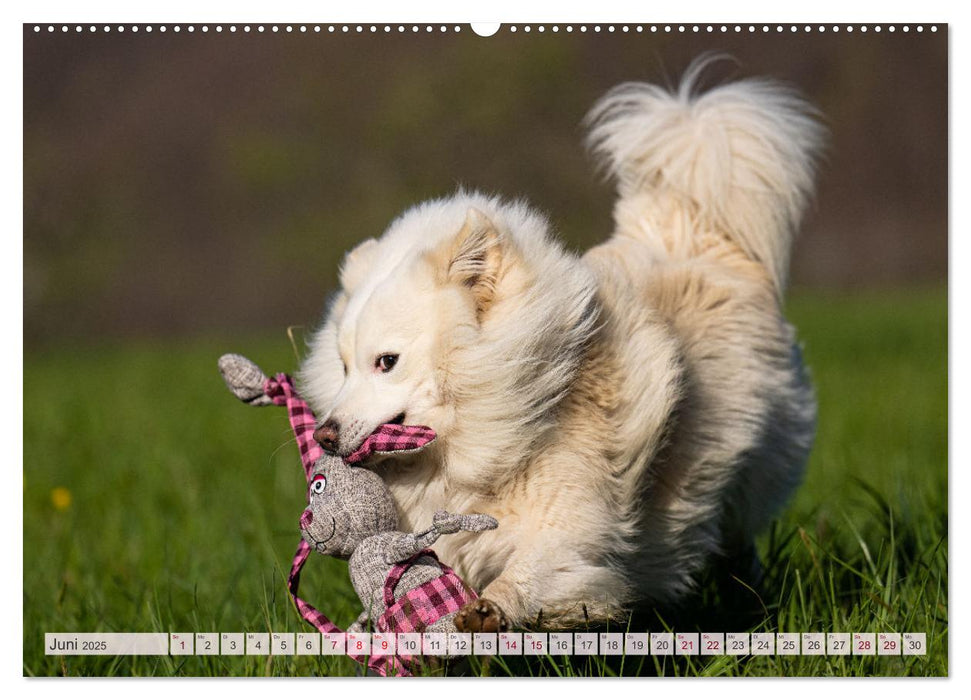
{"x": 354, "y": 29}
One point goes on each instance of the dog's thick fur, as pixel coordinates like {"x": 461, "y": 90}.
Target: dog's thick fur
{"x": 627, "y": 416}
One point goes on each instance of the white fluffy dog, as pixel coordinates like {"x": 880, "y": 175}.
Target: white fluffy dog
{"x": 627, "y": 416}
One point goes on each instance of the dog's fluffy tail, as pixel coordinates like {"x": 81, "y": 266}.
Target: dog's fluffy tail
{"x": 741, "y": 156}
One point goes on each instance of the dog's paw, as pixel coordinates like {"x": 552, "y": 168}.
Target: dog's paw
{"x": 481, "y": 615}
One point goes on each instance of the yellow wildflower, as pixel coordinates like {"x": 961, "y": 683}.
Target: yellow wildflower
{"x": 61, "y": 498}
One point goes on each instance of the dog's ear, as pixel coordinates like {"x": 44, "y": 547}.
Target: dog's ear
{"x": 356, "y": 264}
{"x": 473, "y": 258}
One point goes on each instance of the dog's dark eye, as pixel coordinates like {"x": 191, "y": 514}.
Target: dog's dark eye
{"x": 318, "y": 484}
{"x": 386, "y": 363}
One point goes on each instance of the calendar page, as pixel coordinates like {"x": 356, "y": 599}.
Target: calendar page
{"x": 607, "y": 348}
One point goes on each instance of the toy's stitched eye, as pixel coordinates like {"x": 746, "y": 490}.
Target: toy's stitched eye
{"x": 318, "y": 484}
{"x": 386, "y": 363}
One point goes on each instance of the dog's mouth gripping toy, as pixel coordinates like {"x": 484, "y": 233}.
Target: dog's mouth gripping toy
{"x": 401, "y": 583}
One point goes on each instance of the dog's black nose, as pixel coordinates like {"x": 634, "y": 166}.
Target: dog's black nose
{"x": 327, "y": 434}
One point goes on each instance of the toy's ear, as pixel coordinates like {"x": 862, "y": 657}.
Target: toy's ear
{"x": 356, "y": 264}
{"x": 472, "y": 258}
{"x": 245, "y": 379}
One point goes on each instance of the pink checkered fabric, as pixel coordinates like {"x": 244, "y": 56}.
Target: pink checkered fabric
{"x": 391, "y": 437}
{"x": 307, "y": 611}
{"x": 423, "y": 606}
{"x": 281, "y": 390}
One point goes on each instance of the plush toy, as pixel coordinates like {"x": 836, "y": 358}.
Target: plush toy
{"x": 401, "y": 583}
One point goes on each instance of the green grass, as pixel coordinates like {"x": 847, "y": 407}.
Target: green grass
{"x": 184, "y": 507}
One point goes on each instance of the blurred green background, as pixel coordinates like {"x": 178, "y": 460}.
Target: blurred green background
{"x": 191, "y": 194}
{"x": 200, "y": 182}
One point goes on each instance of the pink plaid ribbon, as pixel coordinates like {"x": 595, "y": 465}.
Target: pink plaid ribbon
{"x": 281, "y": 391}
{"x": 392, "y": 437}
{"x": 389, "y": 437}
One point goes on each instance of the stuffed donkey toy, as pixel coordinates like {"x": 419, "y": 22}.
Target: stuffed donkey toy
{"x": 402, "y": 585}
